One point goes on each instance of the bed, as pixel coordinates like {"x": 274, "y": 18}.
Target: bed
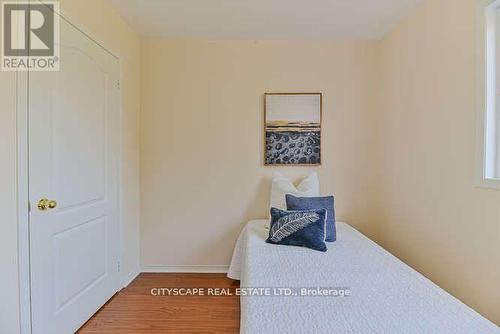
{"x": 386, "y": 295}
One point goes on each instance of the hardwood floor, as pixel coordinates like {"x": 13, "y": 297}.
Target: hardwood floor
{"x": 134, "y": 310}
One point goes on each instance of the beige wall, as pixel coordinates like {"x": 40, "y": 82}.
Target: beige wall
{"x": 202, "y": 173}
{"x": 429, "y": 211}
{"x": 103, "y": 23}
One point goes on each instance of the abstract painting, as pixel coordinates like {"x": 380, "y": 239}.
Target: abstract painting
{"x": 293, "y": 129}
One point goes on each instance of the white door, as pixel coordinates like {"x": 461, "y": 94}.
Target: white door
{"x": 73, "y": 163}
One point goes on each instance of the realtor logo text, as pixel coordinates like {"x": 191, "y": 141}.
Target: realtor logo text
{"x": 30, "y": 36}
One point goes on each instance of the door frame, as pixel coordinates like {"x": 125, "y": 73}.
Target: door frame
{"x": 22, "y": 182}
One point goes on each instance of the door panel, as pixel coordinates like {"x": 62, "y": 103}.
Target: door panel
{"x": 73, "y": 159}
{"x": 87, "y": 243}
{"x": 87, "y": 125}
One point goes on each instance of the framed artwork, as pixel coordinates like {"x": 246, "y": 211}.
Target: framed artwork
{"x": 292, "y": 124}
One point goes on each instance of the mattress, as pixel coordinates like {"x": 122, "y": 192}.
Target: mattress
{"x": 375, "y": 291}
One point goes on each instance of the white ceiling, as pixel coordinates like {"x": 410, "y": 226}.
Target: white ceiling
{"x": 264, "y": 19}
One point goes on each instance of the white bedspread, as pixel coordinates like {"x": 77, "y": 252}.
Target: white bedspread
{"x": 387, "y": 296}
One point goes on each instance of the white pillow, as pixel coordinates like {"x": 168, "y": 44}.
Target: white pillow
{"x": 308, "y": 187}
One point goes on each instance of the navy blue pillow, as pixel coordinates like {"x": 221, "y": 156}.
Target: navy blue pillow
{"x": 311, "y": 203}
{"x": 298, "y": 228}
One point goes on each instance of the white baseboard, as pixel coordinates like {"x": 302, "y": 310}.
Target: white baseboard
{"x": 129, "y": 278}
{"x": 202, "y": 269}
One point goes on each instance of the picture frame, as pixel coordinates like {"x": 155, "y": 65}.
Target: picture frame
{"x": 292, "y": 129}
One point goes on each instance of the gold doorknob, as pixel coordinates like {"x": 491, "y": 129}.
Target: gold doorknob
{"x": 45, "y": 204}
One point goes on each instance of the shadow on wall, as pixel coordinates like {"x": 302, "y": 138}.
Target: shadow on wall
{"x": 257, "y": 208}
{"x": 229, "y": 218}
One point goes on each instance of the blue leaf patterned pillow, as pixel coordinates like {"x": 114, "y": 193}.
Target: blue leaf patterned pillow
{"x": 298, "y": 228}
